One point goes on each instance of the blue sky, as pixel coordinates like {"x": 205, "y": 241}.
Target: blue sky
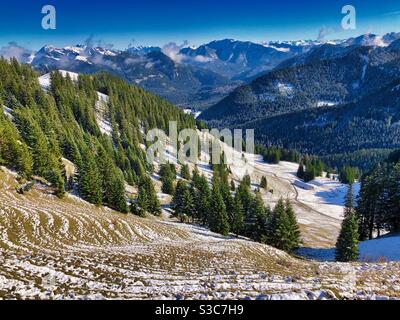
{"x": 156, "y": 22}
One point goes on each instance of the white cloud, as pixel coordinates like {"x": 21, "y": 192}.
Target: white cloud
{"x": 172, "y": 50}
{"x": 203, "y": 59}
{"x": 13, "y": 50}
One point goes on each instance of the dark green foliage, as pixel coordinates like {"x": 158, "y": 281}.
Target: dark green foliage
{"x": 168, "y": 185}
{"x": 237, "y": 216}
{"x": 45, "y": 150}
{"x": 134, "y": 208}
{"x": 168, "y": 177}
{"x": 188, "y": 205}
{"x": 112, "y": 180}
{"x": 218, "y": 218}
{"x": 147, "y": 198}
{"x": 272, "y": 155}
{"x": 310, "y": 168}
{"x": 254, "y": 214}
{"x": 364, "y": 159}
{"x": 185, "y": 173}
{"x": 182, "y": 201}
{"x": 294, "y": 239}
{"x": 13, "y": 153}
{"x": 378, "y": 205}
{"x": 62, "y": 124}
{"x": 301, "y": 171}
{"x": 202, "y": 197}
{"x": 89, "y": 180}
{"x": 247, "y": 180}
{"x": 347, "y": 244}
{"x": 349, "y": 202}
{"x": 264, "y": 183}
{"x": 245, "y": 196}
{"x": 195, "y": 174}
{"x": 348, "y": 175}
{"x": 284, "y": 232}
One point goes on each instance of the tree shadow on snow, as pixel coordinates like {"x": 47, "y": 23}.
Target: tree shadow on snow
{"x": 318, "y": 254}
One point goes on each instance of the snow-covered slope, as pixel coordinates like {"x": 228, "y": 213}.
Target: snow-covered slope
{"x": 382, "y": 249}
{"x": 319, "y": 209}
{"x": 45, "y": 80}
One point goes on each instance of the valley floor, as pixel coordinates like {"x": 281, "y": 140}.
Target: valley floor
{"x": 69, "y": 249}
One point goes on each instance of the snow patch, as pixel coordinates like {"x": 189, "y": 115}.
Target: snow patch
{"x": 7, "y": 111}
{"x": 326, "y": 104}
{"x": 385, "y": 248}
{"x": 285, "y": 88}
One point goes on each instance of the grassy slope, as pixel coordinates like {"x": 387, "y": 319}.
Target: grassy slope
{"x": 53, "y": 248}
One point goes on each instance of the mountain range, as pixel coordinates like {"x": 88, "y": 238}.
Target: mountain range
{"x": 148, "y": 68}
{"x": 194, "y": 78}
{"x": 335, "y": 98}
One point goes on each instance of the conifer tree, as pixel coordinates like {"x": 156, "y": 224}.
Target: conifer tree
{"x": 257, "y": 210}
{"x": 113, "y": 184}
{"x": 300, "y": 171}
{"x": 233, "y": 186}
{"x": 218, "y": 216}
{"x": 283, "y": 229}
{"x": 89, "y": 183}
{"x": 310, "y": 173}
{"x": 167, "y": 178}
{"x": 147, "y": 197}
{"x": 294, "y": 239}
{"x": 263, "y": 225}
{"x": 168, "y": 185}
{"x": 202, "y": 200}
{"x": 347, "y": 244}
{"x": 14, "y": 153}
{"x": 185, "y": 173}
{"x": 349, "y": 202}
{"x": 264, "y": 183}
{"x": 134, "y": 208}
{"x": 188, "y": 207}
{"x": 247, "y": 180}
{"x": 195, "y": 175}
{"x": 141, "y": 206}
{"x": 117, "y": 199}
{"x": 178, "y": 202}
{"x": 246, "y": 198}
{"x": 237, "y": 220}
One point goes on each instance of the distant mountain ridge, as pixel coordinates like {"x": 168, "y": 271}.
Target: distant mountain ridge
{"x": 148, "y": 68}
{"x": 332, "y": 99}
{"x": 199, "y": 77}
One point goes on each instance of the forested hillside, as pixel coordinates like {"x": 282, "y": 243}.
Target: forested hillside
{"x": 379, "y": 202}
{"x": 371, "y": 123}
{"x": 332, "y": 101}
{"x": 46, "y": 123}
{"x": 40, "y": 129}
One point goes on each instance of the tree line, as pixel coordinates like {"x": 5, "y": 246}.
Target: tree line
{"x": 226, "y": 208}
{"x": 378, "y": 206}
